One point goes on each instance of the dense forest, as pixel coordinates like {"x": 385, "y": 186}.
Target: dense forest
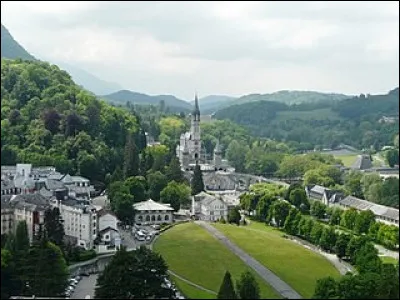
{"x": 354, "y": 121}
{"x": 46, "y": 119}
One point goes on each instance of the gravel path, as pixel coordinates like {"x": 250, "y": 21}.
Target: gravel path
{"x": 278, "y": 284}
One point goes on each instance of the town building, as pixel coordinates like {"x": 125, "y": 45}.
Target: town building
{"x": 208, "y": 207}
{"x": 151, "y": 212}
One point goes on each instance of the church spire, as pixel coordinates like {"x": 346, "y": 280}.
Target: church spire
{"x": 196, "y": 110}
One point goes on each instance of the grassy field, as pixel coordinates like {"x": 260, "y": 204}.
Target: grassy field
{"x": 194, "y": 254}
{"x": 388, "y": 260}
{"x": 348, "y": 160}
{"x": 190, "y": 290}
{"x": 293, "y": 263}
{"x": 317, "y": 114}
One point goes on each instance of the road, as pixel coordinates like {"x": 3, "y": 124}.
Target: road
{"x": 85, "y": 287}
{"x": 278, "y": 284}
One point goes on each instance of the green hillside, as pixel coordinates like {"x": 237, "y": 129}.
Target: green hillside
{"x": 354, "y": 121}
{"x": 46, "y": 119}
{"x": 124, "y": 96}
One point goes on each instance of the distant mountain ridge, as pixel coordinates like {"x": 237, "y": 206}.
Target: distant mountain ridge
{"x": 124, "y": 96}
{"x": 211, "y": 103}
{"x": 10, "y": 48}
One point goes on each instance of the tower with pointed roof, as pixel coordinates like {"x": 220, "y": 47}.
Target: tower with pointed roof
{"x": 195, "y": 131}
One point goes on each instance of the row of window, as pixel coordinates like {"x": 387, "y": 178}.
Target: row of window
{"x": 153, "y": 218}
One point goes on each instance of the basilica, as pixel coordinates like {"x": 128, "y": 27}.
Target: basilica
{"x": 190, "y": 151}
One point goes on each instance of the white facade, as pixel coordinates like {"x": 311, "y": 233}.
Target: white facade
{"x": 80, "y": 222}
{"x": 150, "y": 212}
{"x": 209, "y": 208}
{"x": 107, "y": 219}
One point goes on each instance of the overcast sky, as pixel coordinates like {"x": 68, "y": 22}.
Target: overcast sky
{"x": 230, "y": 48}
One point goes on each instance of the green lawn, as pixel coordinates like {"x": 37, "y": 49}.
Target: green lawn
{"x": 348, "y": 160}
{"x": 296, "y": 265}
{"x": 191, "y": 252}
{"x": 188, "y": 289}
{"x": 388, "y": 260}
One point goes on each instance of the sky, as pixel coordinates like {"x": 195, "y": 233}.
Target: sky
{"x": 218, "y": 48}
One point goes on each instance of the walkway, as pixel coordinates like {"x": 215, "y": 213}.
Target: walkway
{"x": 192, "y": 283}
{"x": 279, "y": 285}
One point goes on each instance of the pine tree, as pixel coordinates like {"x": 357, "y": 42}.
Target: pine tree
{"x": 197, "y": 183}
{"x": 131, "y": 157}
{"x": 227, "y": 290}
{"x": 174, "y": 172}
{"x": 53, "y": 225}
{"x": 247, "y": 287}
{"x": 21, "y": 237}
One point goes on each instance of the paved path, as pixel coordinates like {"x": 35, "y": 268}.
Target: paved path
{"x": 192, "y": 283}
{"x": 386, "y": 252}
{"x": 85, "y": 287}
{"x": 278, "y": 284}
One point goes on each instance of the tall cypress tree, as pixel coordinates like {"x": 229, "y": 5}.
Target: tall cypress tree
{"x": 21, "y": 237}
{"x": 227, "y": 290}
{"x": 53, "y": 225}
{"x": 247, "y": 287}
{"x": 197, "y": 183}
{"x": 131, "y": 157}
{"x": 174, "y": 172}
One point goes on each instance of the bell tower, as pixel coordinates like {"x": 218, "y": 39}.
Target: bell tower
{"x": 195, "y": 131}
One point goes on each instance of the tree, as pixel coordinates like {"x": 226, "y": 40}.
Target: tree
{"x": 234, "y": 216}
{"x": 131, "y": 157}
{"x": 353, "y": 185}
{"x": 388, "y": 285}
{"x": 122, "y": 205}
{"x": 247, "y": 286}
{"x": 279, "y": 211}
{"x": 325, "y": 288}
{"x": 176, "y": 194}
{"x": 156, "y": 183}
{"x": 292, "y": 221}
{"x": 137, "y": 187}
{"x": 174, "y": 172}
{"x": 392, "y": 157}
{"x": 367, "y": 259}
{"x": 297, "y": 197}
{"x": 364, "y": 221}
{"x": 137, "y": 274}
{"x": 341, "y": 245}
{"x": 334, "y": 218}
{"x": 318, "y": 209}
{"x": 21, "y": 238}
{"x": 236, "y": 155}
{"x": 227, "y": 290}
{"x": 348, "y": 218}
{"x": 45, "y": 270}
{"x": 53, "y": 225}
{"x": 293, "y": 186}
{"x": 197, "y": 183}
{"x": 328, "y": 239}
{"x": 315, "y": 234}
{"x": 263, "y": 206}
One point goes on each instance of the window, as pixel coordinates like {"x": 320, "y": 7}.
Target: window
{"x": 166, "y": 218}
{"x": 140, "y": 218}
{"x": 159, "y": 218}
{"x": 153, "y": 218}
{"x": 147, "y": 218}
{"x": 106, "y": 236}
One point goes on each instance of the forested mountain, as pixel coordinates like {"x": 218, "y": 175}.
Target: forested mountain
{"x": 355, "y": 121}
{"x": 211, "y": 103}
{"x": 170, "y": 102}
{"x": 46, "y": 119}
{"x": 10, "y": 48}
{"x": 292, "y": 97}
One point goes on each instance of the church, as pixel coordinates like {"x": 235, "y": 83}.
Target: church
{"x": 190, "y": 151}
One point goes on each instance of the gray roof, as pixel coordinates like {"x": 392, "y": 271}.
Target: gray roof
{"x": 318, "y": 189}
{"x": 52, "y": 185}
{"x": 7, "y": 184}
{"x": 151, "y": 205}
{"x": 377, "y": 209}
{"x": 5, "y": 201}
{"x": 363, "y": 162}
{"x": 223, "y": 182}
{"x": 31, "y": 201}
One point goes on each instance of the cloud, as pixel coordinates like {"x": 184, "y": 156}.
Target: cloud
{"x": 218, "y": 47}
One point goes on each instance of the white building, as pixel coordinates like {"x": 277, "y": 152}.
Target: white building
{"x": 80, "y": 221}
{"x": 106, "y": 219}
{"x": 207, "y": 207}
{"x": 151, "y": 212}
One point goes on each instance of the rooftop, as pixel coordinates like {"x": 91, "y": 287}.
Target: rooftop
{"x": 151, "y": 205}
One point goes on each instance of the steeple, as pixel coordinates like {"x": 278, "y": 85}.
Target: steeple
{"x": 196, "y": 110}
